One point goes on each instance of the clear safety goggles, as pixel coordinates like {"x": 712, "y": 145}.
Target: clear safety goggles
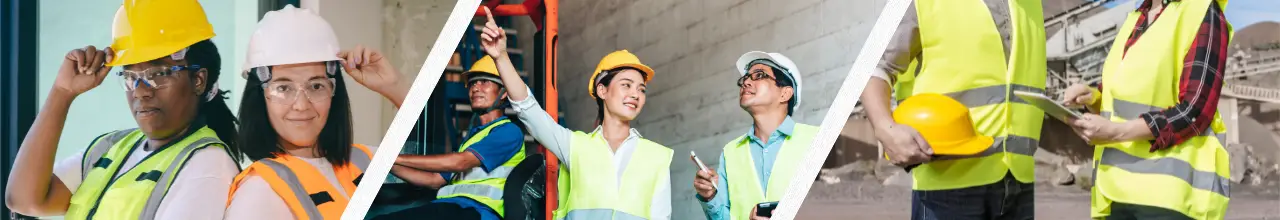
{"x": 288, "y": 92}
{"x": 159, "y": 77}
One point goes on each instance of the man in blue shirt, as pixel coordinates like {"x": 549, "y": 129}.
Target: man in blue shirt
{"x": 470, "y": 180}
{"x": 758, "y": 166}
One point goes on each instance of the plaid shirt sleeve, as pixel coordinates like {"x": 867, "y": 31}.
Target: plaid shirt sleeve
{"x": 1199, "y": 88}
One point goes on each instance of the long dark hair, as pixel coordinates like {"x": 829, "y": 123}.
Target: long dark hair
{"x": 215, "y": 113}
{"x": 606, "y": 81}
{"x": 261, "y": 140}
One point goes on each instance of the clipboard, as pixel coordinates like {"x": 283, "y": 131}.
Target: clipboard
{"x": 1050, "y": 107}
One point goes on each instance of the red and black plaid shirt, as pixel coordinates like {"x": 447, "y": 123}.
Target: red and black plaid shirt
{"x": 1201, "y": 83}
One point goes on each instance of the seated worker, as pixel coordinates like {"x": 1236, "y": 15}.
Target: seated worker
{"x": 471, "y": 180}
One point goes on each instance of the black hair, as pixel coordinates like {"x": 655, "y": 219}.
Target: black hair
{"x": 784, "y": 81}
{"x": 215, "y": 113}
{"x": 261, "y": 140}
{"x": 608, "y": 77}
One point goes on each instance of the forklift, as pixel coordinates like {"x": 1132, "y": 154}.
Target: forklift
{"x": 531, "y": 190}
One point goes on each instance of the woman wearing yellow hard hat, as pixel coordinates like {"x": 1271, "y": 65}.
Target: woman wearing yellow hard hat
{"x": 611, "y": 172}
{"x": 297, "y": 119}
{"x": 173, "y": 162}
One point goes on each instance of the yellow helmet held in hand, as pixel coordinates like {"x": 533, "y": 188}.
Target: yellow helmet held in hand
{"x": 943, "y": 122}
{"x": 483, "y": 69}
{"x": 144, "y": 30}
{"x": 617, "y": 59}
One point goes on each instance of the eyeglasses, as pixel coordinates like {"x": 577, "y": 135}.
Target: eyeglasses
{"x": 156, "y": 77}
{"x": 285, "y": 92}
{"x": 756, "y": 75}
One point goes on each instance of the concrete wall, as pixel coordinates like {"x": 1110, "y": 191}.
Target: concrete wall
{"x": 692, "y": 101}
{"x": 67, "y": 25}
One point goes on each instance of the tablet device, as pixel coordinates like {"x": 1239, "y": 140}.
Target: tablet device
{"x": 1050, "y": 107}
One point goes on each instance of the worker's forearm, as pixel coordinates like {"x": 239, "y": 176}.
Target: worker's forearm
{"x": 511, "y": 78}
{"x": 28, "y": 189}
{"x": 418, "y": 177}
{"x": 875, "y": 101}
{"x": 450, "y": 162}
{"x": 397, "y": 93}
{"x": 1133, "y": 130}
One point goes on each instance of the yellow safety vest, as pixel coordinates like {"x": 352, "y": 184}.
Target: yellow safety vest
{"x": 137, "y": 193}
{"x": 477, "y": 184}
{"x": 590, "y": 186}
{"x": 744, "y": 189}
{"x": 1192, "y": 178}
{"x": 963, "y": 58}
{"x": 304, "y": 188}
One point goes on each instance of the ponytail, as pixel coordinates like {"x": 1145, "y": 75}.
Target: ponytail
{"x": 213, "y": 106}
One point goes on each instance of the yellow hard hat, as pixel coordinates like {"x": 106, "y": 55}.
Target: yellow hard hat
{"x": 483, "y": 69}
{"x": 145, "y": 30}
{"x": 617, "y": 59}
{"x": 943, "y": 122}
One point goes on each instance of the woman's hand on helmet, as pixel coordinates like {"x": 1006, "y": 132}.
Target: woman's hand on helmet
{"x": 493, "y": 38}
{"x": 369, "y": 68}
{"x": 83, "y": 69}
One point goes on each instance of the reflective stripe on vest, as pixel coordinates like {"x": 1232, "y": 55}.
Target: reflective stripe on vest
{"x": 744, "y": 187}
{"x": 137, "y": 193}
{"x": 303, "y": 188}
{"x": 963, "y": 57}
{"x": 1192, "y": 177}
{"x": 592, "y": 184}
{"x": 483, "y": 186}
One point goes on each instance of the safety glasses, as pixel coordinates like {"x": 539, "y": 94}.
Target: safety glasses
{"x": 156, "y": 77}
{"x": 755, "y": 75}
{"x": 288, "y": 92}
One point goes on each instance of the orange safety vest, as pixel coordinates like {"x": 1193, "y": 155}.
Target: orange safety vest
{"x": 304, "y": 188}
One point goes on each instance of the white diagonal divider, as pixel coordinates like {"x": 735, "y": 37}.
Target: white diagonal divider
{"x": 411, "y": 109}
{"x": 842, "y": 107}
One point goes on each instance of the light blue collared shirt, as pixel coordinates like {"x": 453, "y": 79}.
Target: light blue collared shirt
{"x": 763, "y": 155}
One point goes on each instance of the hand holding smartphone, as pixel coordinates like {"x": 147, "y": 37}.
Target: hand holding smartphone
{"x": 765, "y": 209}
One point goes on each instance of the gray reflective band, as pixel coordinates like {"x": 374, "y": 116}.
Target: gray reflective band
{"x": 1012, "y": 144}
{"x": 1129, "y": 110}
{"x": 162, "y": 186}
{"x": 99, "y": 149}
{"x": 478, "y": 173}
{"x": 1205, "y": 180}
{"x": 580, "y": 214}
{"x": 304, "y": 198}
{"x": 990, "y": 95}
{"x": 359, "y": 159}
{"x": 481, "y": 190}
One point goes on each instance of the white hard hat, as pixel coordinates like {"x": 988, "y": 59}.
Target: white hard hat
{"x": 789, "y": 69}
{"x": 289, "y": 36}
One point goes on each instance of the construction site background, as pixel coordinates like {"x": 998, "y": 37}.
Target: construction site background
{"x": 855, "y": 180}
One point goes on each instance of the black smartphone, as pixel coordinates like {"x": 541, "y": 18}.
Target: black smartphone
{"x": 765, "y": 209}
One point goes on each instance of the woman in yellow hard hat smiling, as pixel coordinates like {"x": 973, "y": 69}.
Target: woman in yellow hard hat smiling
{"x": 611, "y": 172}
{"x": 174, "y": 162}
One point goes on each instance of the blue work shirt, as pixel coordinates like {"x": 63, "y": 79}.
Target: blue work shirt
{"x": 494, "y": 150}
{"x": 763, "y": 155}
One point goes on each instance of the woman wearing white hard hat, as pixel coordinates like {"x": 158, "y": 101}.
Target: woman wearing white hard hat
{"x": 296, "y": 118}
{"x": 611, "y": 172}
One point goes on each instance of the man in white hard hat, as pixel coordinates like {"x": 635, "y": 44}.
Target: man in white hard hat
{"x": 756, "y": 167}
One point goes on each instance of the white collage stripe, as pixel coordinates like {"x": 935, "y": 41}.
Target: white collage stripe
{"x": 411, "y": 109}
{"x": 842, "y": 107}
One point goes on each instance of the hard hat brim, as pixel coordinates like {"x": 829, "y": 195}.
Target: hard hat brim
{"x": 973, "y": 146}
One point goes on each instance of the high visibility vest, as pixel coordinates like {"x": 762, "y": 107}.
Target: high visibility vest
{"x": 592, "y": 189}
{"x": 1193, "y": 177}
{"x": 477, "y": 184}
{"x": 745, "y": 190}
{"x": 963, "y": 58}
{"x": 137, "y": 193}
{"x": 302, "y": 186}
